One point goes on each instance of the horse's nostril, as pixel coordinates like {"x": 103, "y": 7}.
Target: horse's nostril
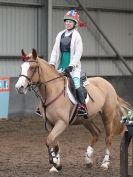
{"x": 21, "y": 89}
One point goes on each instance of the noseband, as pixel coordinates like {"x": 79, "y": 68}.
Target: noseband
{"x": 30, "y": 79}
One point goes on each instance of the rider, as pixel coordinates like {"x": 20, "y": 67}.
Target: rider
{"x": 66, "y": 55}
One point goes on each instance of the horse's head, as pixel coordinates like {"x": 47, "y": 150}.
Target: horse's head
{"x": 29, "y": 72}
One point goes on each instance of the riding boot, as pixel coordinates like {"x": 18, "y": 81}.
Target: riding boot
{"x": 82, "y": 110}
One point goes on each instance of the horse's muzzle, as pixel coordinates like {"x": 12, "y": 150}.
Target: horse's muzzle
{"x": 21, "y": 90}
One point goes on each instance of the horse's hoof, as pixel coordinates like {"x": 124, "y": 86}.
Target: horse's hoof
{"x": 58, "y": 167}
{"x": 105, "y": 166}
{"x": 89, "y": 165}
{"x": 53, "y": 169}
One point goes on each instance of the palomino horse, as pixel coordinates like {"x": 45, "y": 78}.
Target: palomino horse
{"x": 58, "y": 107}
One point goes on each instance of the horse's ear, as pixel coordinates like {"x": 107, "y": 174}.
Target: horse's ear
{"x": 34, "y": 53}
{"x": 23, "y": 53}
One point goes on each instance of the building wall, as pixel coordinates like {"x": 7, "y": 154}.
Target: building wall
{"x": 119, "y": 4}
{"x": 18, "y": 29}
{"x": 105, "y": 66}
{"x": 115, "y": 19}
{"x": 23, "y": 26}
{"x": 117, "y": 27}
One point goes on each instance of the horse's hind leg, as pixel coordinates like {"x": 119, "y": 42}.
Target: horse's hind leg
{"x": 95, "y": 131}
{"x": 108, "y": 124}
{"x": 53, "y": 148}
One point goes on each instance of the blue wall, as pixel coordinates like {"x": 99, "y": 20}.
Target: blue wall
{"x": 4, "y": 96}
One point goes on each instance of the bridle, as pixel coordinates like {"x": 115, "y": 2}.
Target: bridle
{"x": 30, "y": 78}
{"x": 38, "y": 83}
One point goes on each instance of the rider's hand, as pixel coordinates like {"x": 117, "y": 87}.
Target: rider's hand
{"x": 68, "y": 70}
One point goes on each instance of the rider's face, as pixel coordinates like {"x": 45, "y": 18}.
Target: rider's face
{"x": 69, "y": 24}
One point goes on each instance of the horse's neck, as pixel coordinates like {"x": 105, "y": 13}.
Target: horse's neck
{"x": 48, "y": 74}
{"x": 51, "y": 86}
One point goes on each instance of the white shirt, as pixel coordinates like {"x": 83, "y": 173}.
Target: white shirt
{"x": 76, "y": 50}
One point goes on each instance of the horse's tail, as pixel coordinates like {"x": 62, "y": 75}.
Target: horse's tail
{"x": 122, "y": 109}
{"x": 124, "y": 105}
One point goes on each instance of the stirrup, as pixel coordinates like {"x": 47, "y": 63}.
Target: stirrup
{"x": 82, "y": 111}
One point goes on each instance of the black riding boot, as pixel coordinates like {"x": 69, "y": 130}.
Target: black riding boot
{"x": 82, "y": 110}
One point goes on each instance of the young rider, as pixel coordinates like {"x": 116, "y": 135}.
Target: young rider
{"x": 67, "y": 52}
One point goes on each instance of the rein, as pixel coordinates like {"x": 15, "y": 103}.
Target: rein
{"x": 44, "y": 102}
{"x": 52, "y": 79}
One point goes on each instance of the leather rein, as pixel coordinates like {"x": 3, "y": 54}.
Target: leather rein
{"x": 38, "y": 84}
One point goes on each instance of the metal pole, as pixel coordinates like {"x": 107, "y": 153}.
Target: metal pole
{"x": 105, "y": 37}
{"x": 132, "y": 155}
{"x": 124, "y": 155}
{"x": 49, "y": 27}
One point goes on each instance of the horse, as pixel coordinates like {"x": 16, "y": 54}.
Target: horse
{"x": 57, "y": 107}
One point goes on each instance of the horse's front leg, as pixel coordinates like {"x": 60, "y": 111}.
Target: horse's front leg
{"x": 89, "y": 157}
{"x": 54, "y": 158}
{"x": 53, "y": 150}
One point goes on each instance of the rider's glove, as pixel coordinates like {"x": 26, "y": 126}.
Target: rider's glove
{"x": 68, "y": 70}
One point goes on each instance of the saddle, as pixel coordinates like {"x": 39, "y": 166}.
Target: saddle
{"x": 72, "y": 87}
{"x": 73, "y": 91}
